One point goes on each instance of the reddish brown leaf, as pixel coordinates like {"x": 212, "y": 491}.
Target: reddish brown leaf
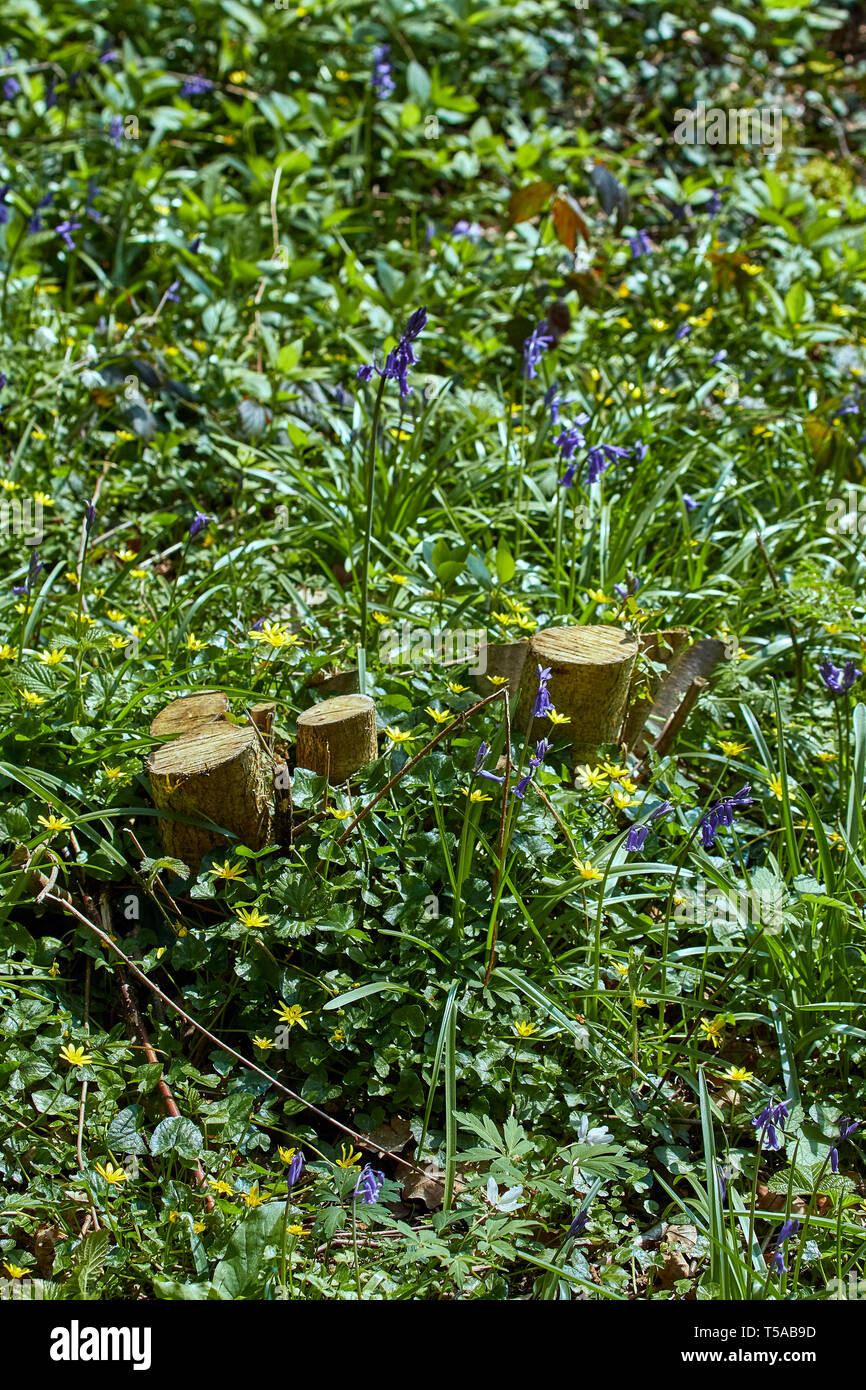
{"x": 567, "y": 221}
{"x": 528, "y": 202}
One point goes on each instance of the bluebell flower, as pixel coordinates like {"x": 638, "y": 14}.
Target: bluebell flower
{"x": 578, "y": 1225}
{"x": 640, "y": 245}
{"x": 196, "y": 86}
{"x": 89, "y": 515}
{"x": 171, "y": 293}
{"x": 534, "y": 347}
{"x": 601, "y": 456}
{"x": 543, "y": 702}
{"x": 35, "y": 223}
{"x": 383, "y": 83}
{"x": 294, "y": 1171}
{"x": 398, "y": 361}
{"x": 552, "y": 401}
{"x": 109, "y": 55}
{"x": 115, "y": 131}
{"x": 628, "y": 590}
{"x": 572, "y": 437}
{"x": 839, "y": 680}
{"x": 198, "y": 523}
{"x": 11, "y": 88}
{"x": 689, "y": 503}
{"x": 4, "y": 211}
{"x": 369, "y": 1185}
{"x": 50, "y": 95}
{"x": 682, "y": 332}
{"x": 723, "y": 814}
{"x": 640, "y": 451}
{"x": 542, "y": 748}
{"x": 2, "y": 380}
{"x": 194, "y": 245}
{"x": 65, "y": 229}
{"x": 638, "y": 833}
{"x": 479, "y": 769}
{"x": 770, "y": 1117}
{"x": 718, "y": 357}
{"x": 846, "y": 1129}
{"x": 93, "y": 192}
{"x": 472, "y": 231}
{"x": 787, "y": 1230}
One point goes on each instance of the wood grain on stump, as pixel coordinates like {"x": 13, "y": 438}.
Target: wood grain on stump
{"x": 590, "y": 674}
{"x": 219, "y": 773}
{"x": 338, "y": 736}
{"x": 188, "y": 713}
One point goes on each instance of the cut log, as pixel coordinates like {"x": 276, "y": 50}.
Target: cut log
{"x": 503, "y": 659}
{"x": 188, "y": 713}
{"x": 696, "y": 661}
{"x": 662, "y": 648}
{"x": 263, "y": 717}
{"x": 218, "y": 773}
{"x": 338, "y": 683}
{"x": 337, "y": 737}
{"x": 590, "y": 674}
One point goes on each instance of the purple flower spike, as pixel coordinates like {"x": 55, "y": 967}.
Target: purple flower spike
{"x": 369, "y": 1185}
{"x": 534, "y": 347}
{"x": 198, "y": 523}
{"x": 837, "y": 679}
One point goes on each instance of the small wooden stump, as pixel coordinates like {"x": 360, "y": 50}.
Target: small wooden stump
{"x": 663, "y": 648}
{"x": 590, "y": 674}
{"x": 263, "y": 717}
{"x": 503, "y": 659}
{"x": 188, "y": 713}
{"x": 221, "y": 773}
{"x": 338, "y": 736}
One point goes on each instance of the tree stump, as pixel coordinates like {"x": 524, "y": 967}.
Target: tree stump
{"x": 263, "y": 717}
{"x": 337, "y": 736}
{"x": 590, "y": 675}
{"x": 219, "y": 772}
{"x": 503, "y": 659}
{"x": 659, "y": 647}
{"x": 188, "y": 713}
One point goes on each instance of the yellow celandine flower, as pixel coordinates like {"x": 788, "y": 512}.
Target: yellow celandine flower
{"x": 118, "y": 643}
{"x": 497, "y": 680}
{"x": 220, "y": 1187}
{"x": 381, "y": 618}
{"x": 627, "y": 784}
{"x": 639, "y": 1002}
{"x": 295, "y": 1230}
{"x": 55, "y": 970}
{"x": 198, "y": 1227}
{"x": 251, "y": 917}
{"x": 255, "y": 1198}
{"x": 263, "y": 1043}
{"x": 292, "y": 1014}
{"x": 525, "y": 1030}
{"x": 193, "y": 644}
{"x": 526, "y": 624}
{"x": 348, "y": 1158}
{"x": 286, "y": 1154}
{"x": 75, "y": 1056}
{"x": 116, "y": 616}
{"x": 439, "y": 716}
{"x": 614, "y": 770}
{"x": 340, "y": 815}
{"x": 623, "y": 290}
{"x": 826, "y": 757}
{"x": 125, "y": 556}
{"x": 338, "y": 1036}
{"x": 776, "y": 787}
{"x": 174, "y": 1216}
{"x": 730, "y": 747}
{"x": 621, "y": 970}
{"x": 8, "y": 485}
{"x": 54, "y": 823}
{"x": 456, "y": 688}
{"x": 623, "y": 321}
{"x": 713, "y": 1030}
{"x": 397, "y": 578}
{"x": 738, "y": 1074}
{"x": 682, "y": 306}
{"x": 752, "y": 269}
{"x": 124, "y": 435}
{"x": 556, "y": 718}
{"x": 475, "y": 795}
{"x": 111, "y": 1174}
{"x": 112, "y": 772}
{"x": 30, "y": 699}
{"x": 275, "y": 635}
{"x": 505, "y": 618}
{"x": 399, "y": 737}
{"x": 238, "y": 77}
{"x": 587, "y": 870}
{"x": 16, "y": 1271}
{"x": 43, "y": 497}
{"x": 591, "y": 777}
{"x": 227, "y": 871}
{"x": 622, "y": 799}
{"x": 53, "y": 658}
{"x": 660, "y": 325}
